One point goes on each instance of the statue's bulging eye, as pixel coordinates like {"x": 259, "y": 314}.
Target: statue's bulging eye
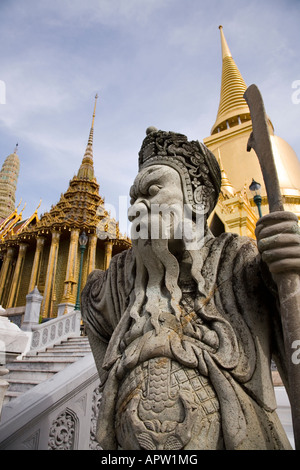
{"x": 153, "y": 189}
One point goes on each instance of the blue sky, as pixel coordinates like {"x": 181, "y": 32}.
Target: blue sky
{"x": 152, "y": 62}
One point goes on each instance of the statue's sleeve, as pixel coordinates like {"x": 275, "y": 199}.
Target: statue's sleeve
{"x": 103, "y": 301}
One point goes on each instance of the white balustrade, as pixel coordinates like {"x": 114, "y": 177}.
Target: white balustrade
{"x": 51, "y": 332}
{"x": 58, "y": 414}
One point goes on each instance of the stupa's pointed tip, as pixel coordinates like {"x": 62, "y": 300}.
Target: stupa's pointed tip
{"x": 225, "y": 48}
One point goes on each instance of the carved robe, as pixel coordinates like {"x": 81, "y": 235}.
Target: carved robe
{"x": 200, "y": 382}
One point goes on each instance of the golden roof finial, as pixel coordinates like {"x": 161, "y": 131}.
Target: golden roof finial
{"x": 90, "y": 141}
{"x": 36, "y": 210}
{"x": 23, "y": 209}
{"x": 94, "y": 113}
{"x": 86, "y": 169}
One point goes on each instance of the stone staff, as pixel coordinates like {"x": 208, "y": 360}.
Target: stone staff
{"x": 288, "y": 283}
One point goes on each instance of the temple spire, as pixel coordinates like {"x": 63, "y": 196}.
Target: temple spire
{"x": 86, "y": 169}
{"x": 90, "y": 141}
{"x": 233, "y": 109}
{"x": 94, "y": 113}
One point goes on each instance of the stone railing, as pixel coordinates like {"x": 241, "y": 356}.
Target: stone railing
{"x": 60, "y": 328}
{"x": 58, "y": 414}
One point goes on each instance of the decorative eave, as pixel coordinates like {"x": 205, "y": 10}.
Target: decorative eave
{"x": 8, "y": 225}
{"x": 19, "y": 229}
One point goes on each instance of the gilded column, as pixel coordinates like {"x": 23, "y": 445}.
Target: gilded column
{"x": 108, "y": 253}
{"x": 36, "y": 263}
{"x": 68, "y": 298}
{"x": 50, "y": 276}
{"x": 91, "y": 264}
{"x": 17, "y": 275}
{"x": 4, "y": 271}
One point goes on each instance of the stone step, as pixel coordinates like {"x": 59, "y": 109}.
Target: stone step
{"x": 83, "y": 347}
{"x": 9, "y": 395}
{"x": 62, "y": 350}
{"x": 36, "y": 367}
{"x": 59, "y": 354}
{"x": 73, "y": 344}
{"x": 28, "y": 374}
{"x": 77, "y": 338}
{"x": 40, "y": 362}
{"x": 54, "y": 353}
{"x": 19, "y": 385}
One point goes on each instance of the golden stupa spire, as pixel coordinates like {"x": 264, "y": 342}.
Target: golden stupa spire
{"x": 226, "y": 186}
{"x": 86, "y": 169}
{"x": 233, "y": 109}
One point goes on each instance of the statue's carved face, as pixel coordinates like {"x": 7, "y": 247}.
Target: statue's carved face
{"x": 156, "y": 203}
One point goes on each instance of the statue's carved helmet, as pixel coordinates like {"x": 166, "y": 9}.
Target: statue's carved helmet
{"x": 197, "y": 166}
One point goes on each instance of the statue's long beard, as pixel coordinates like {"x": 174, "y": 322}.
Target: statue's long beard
{"x": 152, "y": 408}
{"x": 156, "y": 287}
{"x": 157, "y": 268}
{"x": 156, "y": 284}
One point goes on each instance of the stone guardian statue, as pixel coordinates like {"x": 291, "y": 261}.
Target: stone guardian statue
{"x": 183, "y": 326}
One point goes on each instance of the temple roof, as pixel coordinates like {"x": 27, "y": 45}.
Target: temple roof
{"x": 14, "y": 225}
